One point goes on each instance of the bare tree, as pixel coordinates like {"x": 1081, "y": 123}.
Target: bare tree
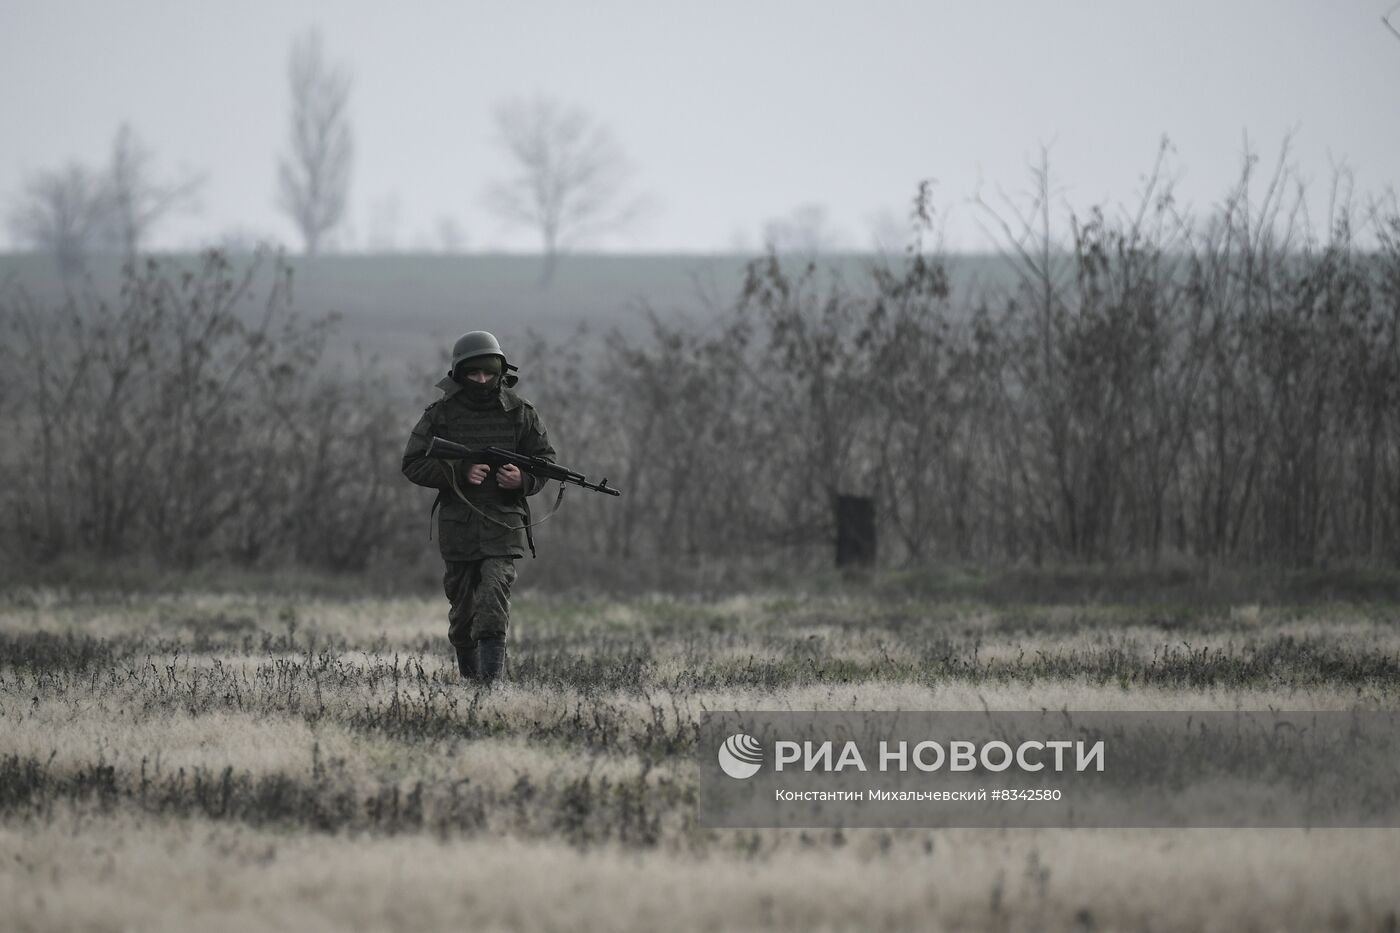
{"x": 572, "y": 179}
{"x": 805, "y": 231}
{"x": 451, "y": 238}
{"x": 60, "y": 212}
{"x": 135, "y": 200}
{"x": 314, "y": 178}
{"x": 73, "y": 210}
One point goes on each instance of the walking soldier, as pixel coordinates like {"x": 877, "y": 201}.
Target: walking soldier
{"x": 483, "y": 515}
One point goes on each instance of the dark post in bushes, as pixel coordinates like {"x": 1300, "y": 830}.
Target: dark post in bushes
{"x": 855, "y": 532}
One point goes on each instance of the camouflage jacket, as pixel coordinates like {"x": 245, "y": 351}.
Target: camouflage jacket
{"x": 463, "y": 532}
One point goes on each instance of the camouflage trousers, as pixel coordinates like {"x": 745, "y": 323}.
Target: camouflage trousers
{"x": 479, "y": 591}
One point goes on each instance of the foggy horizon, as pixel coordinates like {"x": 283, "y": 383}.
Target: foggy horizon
{"x": 733, "y": 118}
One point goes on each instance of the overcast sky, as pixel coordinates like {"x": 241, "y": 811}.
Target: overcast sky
{"x": 733, "y": 112}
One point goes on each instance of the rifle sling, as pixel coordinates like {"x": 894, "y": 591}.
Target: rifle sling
{"x": 529, "y": 538}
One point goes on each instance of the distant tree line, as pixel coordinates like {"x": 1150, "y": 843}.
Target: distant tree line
{"x": 1219, "y": 389}
{"x": 569, "y": 180}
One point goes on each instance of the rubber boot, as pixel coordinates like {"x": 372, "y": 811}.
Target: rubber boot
{"x": 493, "y": 660}
{"x": 469, "y": 662}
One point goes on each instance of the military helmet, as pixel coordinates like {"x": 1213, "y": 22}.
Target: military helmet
{"x": 482, "y": 343}
{"x": 476, "y": 343}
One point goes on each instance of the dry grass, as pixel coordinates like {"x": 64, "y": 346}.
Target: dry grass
{"x": 76, "y": 871}
{"x": 226, "y": 761}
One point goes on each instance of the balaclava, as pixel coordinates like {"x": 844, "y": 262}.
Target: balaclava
{"x": 481, "y": 394}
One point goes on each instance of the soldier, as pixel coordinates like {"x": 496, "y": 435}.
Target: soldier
{"x": 484, "y": 518}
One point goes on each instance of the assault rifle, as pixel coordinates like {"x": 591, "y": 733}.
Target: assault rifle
{"x": 443, "y": 449}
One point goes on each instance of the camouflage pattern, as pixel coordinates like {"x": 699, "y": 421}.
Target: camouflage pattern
{"x": 480, "y": 538}
{"x": 479, "y": 591}
{"x": 463, "y": 533}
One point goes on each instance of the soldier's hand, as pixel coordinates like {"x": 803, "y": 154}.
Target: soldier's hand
{"x": 508, "y": 477}
{"x": 477, "y": 474}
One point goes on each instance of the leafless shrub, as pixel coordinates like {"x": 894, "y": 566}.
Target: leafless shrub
{"x": 186, "y": 418}
{"x": 1154, "y": 387}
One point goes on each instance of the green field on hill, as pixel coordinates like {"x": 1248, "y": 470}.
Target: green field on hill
{"x": 407, "y": 308}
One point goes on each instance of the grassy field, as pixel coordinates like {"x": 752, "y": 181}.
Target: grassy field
{"x": 220, "y": 760}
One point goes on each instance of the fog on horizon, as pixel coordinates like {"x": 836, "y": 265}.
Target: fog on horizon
{"x": 732, "y": 124}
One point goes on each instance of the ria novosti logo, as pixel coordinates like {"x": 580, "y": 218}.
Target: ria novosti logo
{"x": 741, "y": 756}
